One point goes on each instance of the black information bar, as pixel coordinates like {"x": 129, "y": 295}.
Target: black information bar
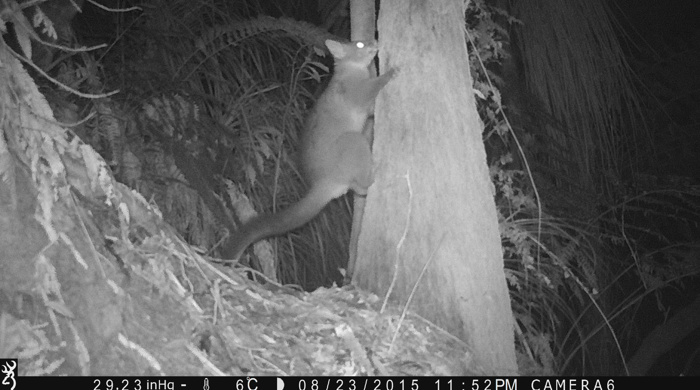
{"x": 355, "y": 383}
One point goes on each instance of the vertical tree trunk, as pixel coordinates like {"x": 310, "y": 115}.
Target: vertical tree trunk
{"x": 362, "y": 28}
{"x": 431, "y": 201}
{"x": 362, "y": 20}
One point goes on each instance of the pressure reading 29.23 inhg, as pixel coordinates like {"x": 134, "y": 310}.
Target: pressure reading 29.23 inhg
{"x": 174, "y": 383}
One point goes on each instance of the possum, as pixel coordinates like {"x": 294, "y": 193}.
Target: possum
{"x": 335, "y": 154}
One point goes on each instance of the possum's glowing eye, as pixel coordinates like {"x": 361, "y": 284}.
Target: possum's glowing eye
{"x": 360, "y": 45}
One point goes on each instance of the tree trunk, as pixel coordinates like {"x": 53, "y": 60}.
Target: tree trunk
{"x": 431, "y": 202}
{"x": 362, "y": 20}
{"x": 362, "y": 28}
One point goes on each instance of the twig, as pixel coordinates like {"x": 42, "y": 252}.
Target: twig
{"x": 413, "y": 291}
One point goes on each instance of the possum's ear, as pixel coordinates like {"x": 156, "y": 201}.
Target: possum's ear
{"x": 336, "y": 48}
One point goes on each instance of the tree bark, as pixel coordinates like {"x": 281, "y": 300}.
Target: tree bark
{"x": 432, "y": 202}
{"x": 362, "y": 28}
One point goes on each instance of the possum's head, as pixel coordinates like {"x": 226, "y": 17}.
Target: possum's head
{"x": 353, "y": 54}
